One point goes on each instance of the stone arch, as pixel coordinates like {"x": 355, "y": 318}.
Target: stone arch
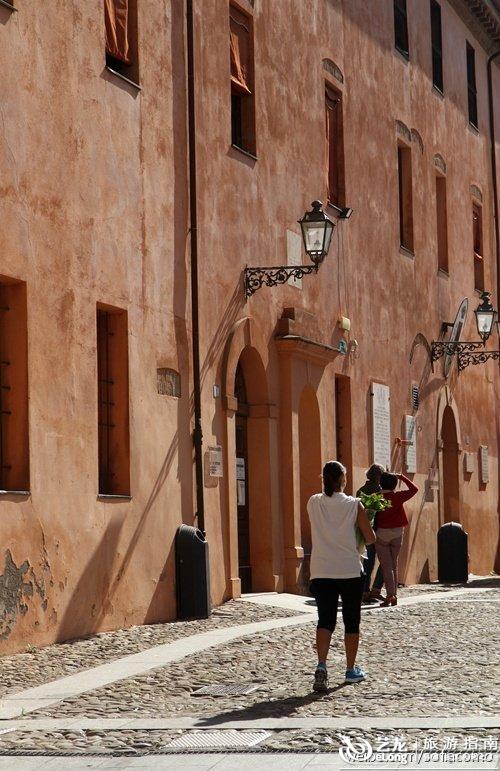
{"x": 310, "y": 460}
{"x": 333, "y": 69}
{"x": 449, "y": 452}
{"x": 246, "y": 349}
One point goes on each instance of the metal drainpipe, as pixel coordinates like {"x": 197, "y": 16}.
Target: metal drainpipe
{"x": 494, "y": 164}
{"x": 197, "y": 433}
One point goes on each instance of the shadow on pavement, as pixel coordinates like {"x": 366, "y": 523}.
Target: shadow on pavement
{"x": 270, "y": 709}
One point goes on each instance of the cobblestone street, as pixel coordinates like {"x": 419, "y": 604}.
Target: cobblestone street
{"x": 119, "y": 699}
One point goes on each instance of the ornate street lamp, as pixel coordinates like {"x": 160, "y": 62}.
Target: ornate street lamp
{"x": 472, "y": 352}
{"x": 485, "y": 316}
{"x": 317, "y": 229}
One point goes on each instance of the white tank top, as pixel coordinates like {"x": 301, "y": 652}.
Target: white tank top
{"x": 333, "y": 520}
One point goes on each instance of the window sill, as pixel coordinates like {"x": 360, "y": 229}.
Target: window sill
{"x": 337, "y": 210}
{"x": 479, "y": 292}
{"x": 106, "y": 497}
{"x": 473, "y": 128}
{"x": 8, "y": 5}
{"x": 478, "y": 257}
{"x": 405, "y": 55}
{"x": 407, "y": 252}
{"x": 244, "y": 152}
{"x": 22, "y": 493}
{"x": 436, "y": 90}
{"x": 123, "y": 77}
{"x": 443, "y": 273}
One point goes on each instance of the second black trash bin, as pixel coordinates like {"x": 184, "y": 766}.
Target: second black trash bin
{"x": 192, "y": 573}
{"x": 453, "y": 554}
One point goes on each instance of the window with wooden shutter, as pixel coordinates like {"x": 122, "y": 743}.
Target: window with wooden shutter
{"x": 401, "y": 28}
{"x": 471, "y": 84}
{"x": 14, "y": 436}
{"x": 405, "y": 197}
{"x": 477, "y": 235}
{"x": 334, "y": 147}
{"x": 437, "y": 46}
{"x": 120, "y": 17}
{"x": 442, "y": 223}
{"x": 242, "y": 80}
{"x": 113, "y": 396}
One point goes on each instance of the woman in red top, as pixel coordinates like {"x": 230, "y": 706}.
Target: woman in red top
{"x": 390, "y": 525}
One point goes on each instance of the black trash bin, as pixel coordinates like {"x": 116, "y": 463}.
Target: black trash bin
{"x": 192, "y": 573}
{"x": 453, "y": 554}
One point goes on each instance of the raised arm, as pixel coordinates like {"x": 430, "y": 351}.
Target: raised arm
{"x": 363, "y": 523}
{"x": 405, "y": 495}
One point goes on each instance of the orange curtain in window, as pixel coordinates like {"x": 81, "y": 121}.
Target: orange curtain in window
{"x": 116, "y": 18}
{"x": 240, "y": 51}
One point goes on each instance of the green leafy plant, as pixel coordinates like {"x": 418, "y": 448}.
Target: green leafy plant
{"x": 372, "y": 503}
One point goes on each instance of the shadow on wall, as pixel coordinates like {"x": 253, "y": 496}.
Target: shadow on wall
{"x": 88, "y": 604}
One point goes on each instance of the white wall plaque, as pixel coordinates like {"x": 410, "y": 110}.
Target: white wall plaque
{"x": 484, "y": 464}
{"x": 469, "y": 462}
{"x": 240, "y": 492}
{"x": 294, "y": 255}
{"x": 240, "y": 468}
{"x": 411, "y": 449}
{"x": 381, "y": 417}
{"x": 215, "y": 461}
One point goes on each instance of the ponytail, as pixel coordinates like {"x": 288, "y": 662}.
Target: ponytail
{"x": 333, "y": 471}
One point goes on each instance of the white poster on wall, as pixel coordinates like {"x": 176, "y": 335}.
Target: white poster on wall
{"x": 240, "y": 468}
{"x": 215, "y": 461}
{"x": 484, "y": 464}
{"x": 294, "y": 255}
{"x": 381, "y": 424}
{"x": 411, "y": 449}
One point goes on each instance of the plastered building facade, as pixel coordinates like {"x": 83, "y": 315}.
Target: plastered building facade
{"x": 94, "y": 208}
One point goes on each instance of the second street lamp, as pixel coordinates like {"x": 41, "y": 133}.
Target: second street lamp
{"x": 485, "y": 316}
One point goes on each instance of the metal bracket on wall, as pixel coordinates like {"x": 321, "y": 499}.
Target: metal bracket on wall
{"x": 255, "y": 278}
{"x": 467, "y": 353}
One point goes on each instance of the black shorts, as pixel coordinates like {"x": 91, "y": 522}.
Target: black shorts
{"x": 326, "y": 592}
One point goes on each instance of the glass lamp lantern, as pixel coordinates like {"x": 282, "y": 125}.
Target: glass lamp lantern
{"x": 317, "y": 229}
{"x": 485, "y": 316}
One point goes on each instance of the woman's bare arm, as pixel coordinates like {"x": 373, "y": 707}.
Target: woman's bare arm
{"x": 363, "y": 523}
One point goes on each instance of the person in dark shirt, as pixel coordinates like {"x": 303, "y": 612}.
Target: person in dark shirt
{"x": 372, "y": 485}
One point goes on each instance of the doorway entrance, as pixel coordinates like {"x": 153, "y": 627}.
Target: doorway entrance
{"x": 242, "y": 475}
{"x": 451, "y": 484}
{"x": 310, "y": 468}
{"x": 343, "y": 429}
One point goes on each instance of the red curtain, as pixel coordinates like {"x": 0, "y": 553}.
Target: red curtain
{"x": 240, "y": 51}
{"x": 116, "y": 18}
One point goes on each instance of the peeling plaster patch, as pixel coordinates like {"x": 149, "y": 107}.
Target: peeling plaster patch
{"x": 16, "y": 585}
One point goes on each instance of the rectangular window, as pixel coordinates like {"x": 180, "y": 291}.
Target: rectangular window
{"x": 14, "y": 437}
{"x": 405, "y": 198}
{"x": 401, "y": 28}
{"x": 242, "y": 80}
{"x": 442, "y": 223}
{"x": 477, "y": 232}
{"x": 471, "y": 85}
{"x": 120, "y": 17}
{"x": 334, "y": 147}
{"x": 437, "y": 46}
{"x": 113, "y": 411}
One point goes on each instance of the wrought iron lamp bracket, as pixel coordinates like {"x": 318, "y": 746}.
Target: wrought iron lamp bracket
{"x": 255, "y": 278}
{"x": 467, "y": 352}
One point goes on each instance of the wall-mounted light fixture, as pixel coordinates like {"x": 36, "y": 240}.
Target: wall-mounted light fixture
{"x": 470, "y": 352}
{"x": 317, "y": 229}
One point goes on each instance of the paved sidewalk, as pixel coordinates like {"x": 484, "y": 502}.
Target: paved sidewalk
{"x": 424, "y": 684}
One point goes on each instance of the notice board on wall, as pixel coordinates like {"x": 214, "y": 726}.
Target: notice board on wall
{"x": 411, "y": 448}
{"x": 484, "y": 469}
{"x": 381, "y": 424}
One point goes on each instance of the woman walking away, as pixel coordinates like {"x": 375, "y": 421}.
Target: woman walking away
{"x": 390, "y": 525}
{"x": 336, "y": 568}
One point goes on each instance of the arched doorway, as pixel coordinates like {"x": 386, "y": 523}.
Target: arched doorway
{"x": 310, "y": 467}
{"x": 451, "y": 484}
{"x": 242, "y": 474}
{"x": 252, "y": 477}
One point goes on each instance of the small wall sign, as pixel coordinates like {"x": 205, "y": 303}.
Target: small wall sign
{"x": 411, "y": 448}
{"x": 484, "y": 464}
{"x": 215, "y": 461}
